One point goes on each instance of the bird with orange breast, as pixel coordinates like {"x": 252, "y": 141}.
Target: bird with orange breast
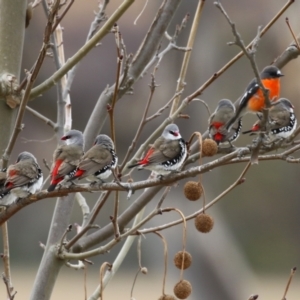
{"x": 253, "y": 99}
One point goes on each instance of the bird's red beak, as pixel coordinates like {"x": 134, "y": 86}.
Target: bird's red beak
{"x": 176, "y": 133}
{"x": 64, "y": 138}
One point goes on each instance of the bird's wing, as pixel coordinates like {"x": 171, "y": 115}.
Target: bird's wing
{"x": 280, "y": 119}
{"x": 95, "y": 161}
{"x": 250, "y": 91}
{"x": 166, "y": 151}
{"x": 20, "y": 175}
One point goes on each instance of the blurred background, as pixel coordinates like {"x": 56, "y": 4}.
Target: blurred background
{"x": 255, "y": 241}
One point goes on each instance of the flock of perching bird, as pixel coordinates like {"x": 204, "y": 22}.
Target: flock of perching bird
{"x": 166, "y": 155}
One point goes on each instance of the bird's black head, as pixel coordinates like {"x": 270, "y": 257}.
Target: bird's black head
{"x": 271, "y": 72}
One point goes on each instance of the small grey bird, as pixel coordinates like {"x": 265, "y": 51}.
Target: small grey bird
{"x": 23, "y": 178}
{"x": 66, "y": 158}
{"x": 282, "y": 121}
{"x": 167, "y": 154}
{"x": 97, "y": 163}
{"x": 218, "y": 120}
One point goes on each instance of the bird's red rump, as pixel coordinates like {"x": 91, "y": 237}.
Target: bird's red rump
{"x": 145, "y": 160}
{"x": 217, "y": 125}
{"x": 56, "y": 167}
{"x": 218, "y": 137}
{"x": 9, "y": 185}
{"x": 255, "y": 127}
{"x": 12, "y": 172}
{"x": 79, "y": 173}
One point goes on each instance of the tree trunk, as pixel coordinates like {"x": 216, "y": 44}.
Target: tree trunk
{"x": 12, "y": 29}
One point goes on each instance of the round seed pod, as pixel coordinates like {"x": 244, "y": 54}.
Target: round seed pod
{"x": 179, "y": 257}
{"x": 204, "y": 223}
{"x": 144, "y": 270}
{"x": 209, "y": 147}
{"x": 193, "y": 190}
{"x": 166, "y": 297}
{"x": 182, "y": 289}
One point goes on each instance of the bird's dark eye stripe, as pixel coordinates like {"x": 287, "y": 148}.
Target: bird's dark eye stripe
{"x": 172, "y": 132}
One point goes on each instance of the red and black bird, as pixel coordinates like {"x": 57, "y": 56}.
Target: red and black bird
{"x": 253, "y": 99}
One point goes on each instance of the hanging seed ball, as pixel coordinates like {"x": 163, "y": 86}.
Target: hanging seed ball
{"x": 144, "y": 270}
{"x": 182, "y": 289}
{"x": 166, "y": 297}
{"x": 193, "y": 190}
{"x": 209, "y": 147}
{"x": 178, "y": 260}
{"x": 204, "y": 223}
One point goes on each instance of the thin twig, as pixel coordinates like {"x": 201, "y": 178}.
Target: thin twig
{"x": 93, "y": 215}
{"x": 139, "y": 252}
{"x": 115, "y": 216}
{"x": 172, "y": 45}
{"x": 42, "y": 117}
{"x": 205, "y": 104}
{"x": 142, "y": 122}
{"x": 161, "y": 110}
{"x": 6, "y": 261}
{"x": 165, "y": 260}
{"x": 84, "y": 207}
{"x": 292, "y": 32}
{"x": 187, "y": 55}
{"x": 62, "y": 15}
{"x": 99, "y": 17}
{"x": 293, "y": 271}
{"x": 115, "y": 95}
{"x": 62, "y": 240}
{"x": 102, "y": 269}
{"x": 139, "y": 15}
{"x": 9, "y": 289}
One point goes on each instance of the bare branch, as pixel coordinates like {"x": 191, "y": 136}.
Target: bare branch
{"x": 84, "y": 50}
{"x": 293, "y": 271}
{"x": 41, "y": 117}
{"x": 142, "y": 123}
{"x": 187, "y": 55}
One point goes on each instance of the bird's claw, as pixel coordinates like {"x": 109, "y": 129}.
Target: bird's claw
{"x": 97, "y": 183}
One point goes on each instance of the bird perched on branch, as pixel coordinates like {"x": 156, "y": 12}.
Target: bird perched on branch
{"x": 282, "y": 121}
{"x": 97, "y": 163}
{"x": 253, "y": 99}
{"x": 66, "y": 158}
{"x": 218, "y": 120}
{"x": 23, "y": 178}
{"x": 167, "y": 154}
